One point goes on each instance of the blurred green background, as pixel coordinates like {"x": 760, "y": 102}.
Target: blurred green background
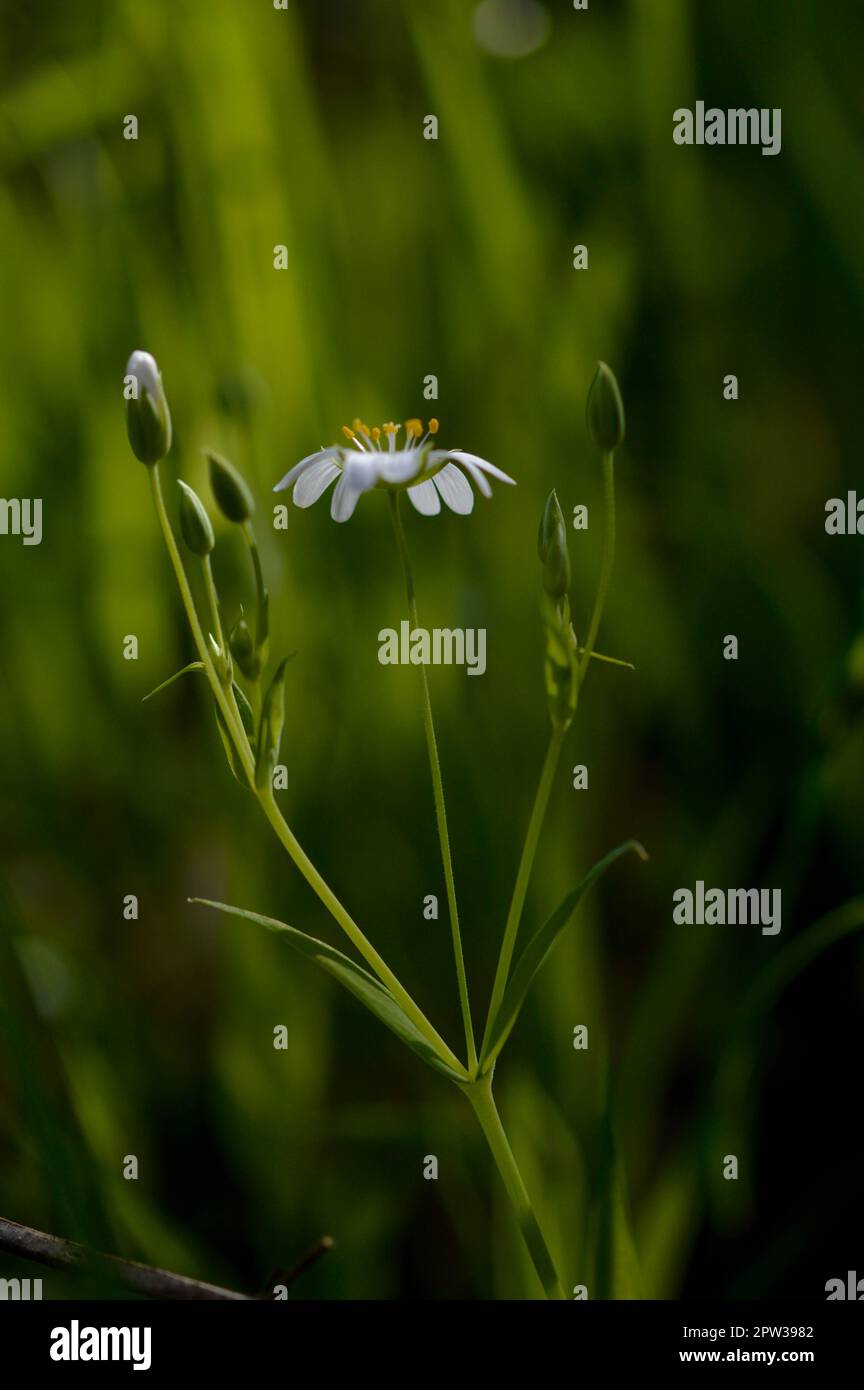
{"x": 409, "y": 257}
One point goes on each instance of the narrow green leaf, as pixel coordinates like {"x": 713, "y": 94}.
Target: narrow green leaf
{"x": 230, "y": 752}
{"x": 370, "y": 991}
{"x": 270, "y": 730}
{"x": 537, "y": 950}
{"x": 247, "y": 717}
{"x": 612, "y": 660}
{"x": 193, "y": 666}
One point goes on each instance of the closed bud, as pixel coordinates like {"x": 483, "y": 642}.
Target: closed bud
{"x": 552, "y": 518}
{"x": 195, "y": 524}
{"x": 605, "y": 410}
{"x": 243, "y": 650}
{"x": 556, "y": 571}
{"x": 270, "y": 730}
{"x": 230, "y": 490}
{"x": 148, "y": 419}
{"x": 552, "y": 548}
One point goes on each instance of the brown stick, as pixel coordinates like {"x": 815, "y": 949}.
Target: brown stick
{"x": 280, "y": 1276}
{"x": 57, "y": 1253}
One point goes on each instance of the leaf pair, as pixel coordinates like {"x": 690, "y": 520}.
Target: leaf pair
{"x": 536, "y": 952}
{"x": 360, "y": 982}
{"x": 378, "y": 999}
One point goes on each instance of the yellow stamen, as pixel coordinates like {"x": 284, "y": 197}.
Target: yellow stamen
{"x": 376, "y": 433}
{"x": 349, "y": 434}
{"x": 433, "y": 426}
{"x": 413, "y": 429}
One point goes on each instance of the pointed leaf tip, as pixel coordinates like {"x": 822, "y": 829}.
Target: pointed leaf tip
{"x": 535, "y": 953}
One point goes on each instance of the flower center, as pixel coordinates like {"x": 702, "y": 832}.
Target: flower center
{"x": 381, "y": 437}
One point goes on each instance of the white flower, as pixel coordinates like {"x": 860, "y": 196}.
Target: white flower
{"x": 371, "y": 459}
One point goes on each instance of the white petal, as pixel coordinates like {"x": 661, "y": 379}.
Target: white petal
{"x": 301, "y": 467}
{"x": 399, "y": 466}
{"x": 313, "y": 481}
{"x": 358, "y": 476}
{"x": 425, "y": 498}
{"x": 142, "y": 365}
{"x": 483, "y": 464}
{"x": 454, "y": 489}
{"x": 344, "y": 500}
{"x": 481, "y": 482}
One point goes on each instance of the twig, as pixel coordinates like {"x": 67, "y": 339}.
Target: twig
{"x": 292, "y": 1275}
{"x": 57, "y": 1253}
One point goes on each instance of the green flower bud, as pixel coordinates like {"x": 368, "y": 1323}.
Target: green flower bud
{"x": 148, "y": 419}
{"x": 552, "y": 548}
{"x": 230, "y": 490}
{"x": 195, "y": 524}
{"x": 243, "y": 650}
{"x": 605, "y": 410}
{"x": 556, "y": 571}
{"x": 552, "y": 518}
{"x": 270, "y": 731}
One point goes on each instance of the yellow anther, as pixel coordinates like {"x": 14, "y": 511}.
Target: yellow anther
{"x": 376, "y": 433}
{"x": 413, "y": 429}
{"x": 390, "y": 428}
{"x": 433, "y": 426}
{"x": 349, "y": 434}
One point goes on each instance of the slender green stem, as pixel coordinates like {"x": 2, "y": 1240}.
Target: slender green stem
{"x": 249, "y": 536}
{"x": 341, "y": 915}
{"x": 286, "y": 836}
{"x": 523, "y": 876}
{"x": 482, "y": 1100}
{"x": 225, "y": 700}
{"x": 606, "y": 563}
{"x": 261, "y": 615}
{"x": 438, "y": 794}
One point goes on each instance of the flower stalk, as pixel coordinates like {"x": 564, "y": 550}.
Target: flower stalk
{"x": 565, "y": 671}
{"x": 523, "y": 877}
{"x": 438, "y": 794}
